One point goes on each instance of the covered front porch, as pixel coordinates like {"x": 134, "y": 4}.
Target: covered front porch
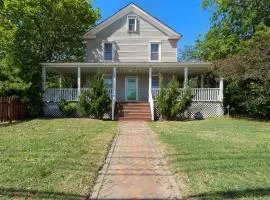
{"x": 135, "y": 82}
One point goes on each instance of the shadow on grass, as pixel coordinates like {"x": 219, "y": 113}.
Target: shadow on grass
{"x": 35, "y": 194}
{"x": 7, "y": 124}
{"x": 230, "y": 194}
{"x": 233, "y": 194}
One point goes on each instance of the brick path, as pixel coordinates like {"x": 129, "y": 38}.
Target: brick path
{"x": 135, "y": 167}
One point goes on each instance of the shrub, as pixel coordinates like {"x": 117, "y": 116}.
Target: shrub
{"x": 97, "y": 102}
{"x": 170, "y": 102}
{"x": 69, "y": 108}
{"x": 85, "y": 104}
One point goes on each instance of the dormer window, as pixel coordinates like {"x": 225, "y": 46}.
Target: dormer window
{"x": 108, "y": 51}
{"x": 132, "y": 23}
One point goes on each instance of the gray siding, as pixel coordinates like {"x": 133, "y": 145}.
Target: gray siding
{"x": 131, "y": 47}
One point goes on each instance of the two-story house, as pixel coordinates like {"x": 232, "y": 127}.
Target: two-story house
{"x": 133, "y": 48}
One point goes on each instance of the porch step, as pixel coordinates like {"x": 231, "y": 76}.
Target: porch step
{"x": 133, "y": 111}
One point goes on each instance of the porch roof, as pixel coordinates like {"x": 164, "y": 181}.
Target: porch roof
{"x": 134, "y": 67}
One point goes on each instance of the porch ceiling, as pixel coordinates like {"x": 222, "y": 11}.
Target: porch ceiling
{"x": 130, "y": 68}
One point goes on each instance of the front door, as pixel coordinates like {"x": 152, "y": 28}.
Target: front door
{"x": 131, "y": 88}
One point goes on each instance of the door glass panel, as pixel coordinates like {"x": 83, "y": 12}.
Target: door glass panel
{"x": 131, "y": 89}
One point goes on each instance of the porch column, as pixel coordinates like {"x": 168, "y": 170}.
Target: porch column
{"x": 221, "y": 89}
{"x": 150, "y": 83}
{"x": 43, "y": 79}
{"x": 113, "y": 92}
{"x": 79, "y": 82}
{"x": 185, "y": 76}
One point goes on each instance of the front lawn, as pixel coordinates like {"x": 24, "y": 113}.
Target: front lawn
{"x": 52, "y": 158}
{"x": 219, "y": 158}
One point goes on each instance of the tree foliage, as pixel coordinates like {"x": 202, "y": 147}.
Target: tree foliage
{"x": 248, "y": 75}
{"x": 233, "y": 21}
{"x": 97, "y": 102}
{"x": 171, "y": 102}
{"x": 238, "y": 43}
{"x": 42, "y": 31}
{"x": 68, "y": 108}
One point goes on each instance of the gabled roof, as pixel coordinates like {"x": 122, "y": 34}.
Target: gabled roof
{"x": 172, "y": 34}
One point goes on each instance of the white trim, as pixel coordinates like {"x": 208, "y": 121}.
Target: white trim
{"x": 129, "y": 64}
{"x": 79, "y": 82}
{"x": 155, "y": 42}
{"x": 131, "y": 77}
{"x": 136, "y": 23}
{"x": 138, "y": 11}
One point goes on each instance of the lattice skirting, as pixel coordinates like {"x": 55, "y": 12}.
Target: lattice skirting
{"x": 208, "y": 109}
{"x": 51, "y": 109}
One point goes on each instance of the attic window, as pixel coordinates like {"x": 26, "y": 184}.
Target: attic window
{"x": 132, "y": 23}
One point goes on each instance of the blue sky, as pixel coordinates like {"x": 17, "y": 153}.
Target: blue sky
{"x": 185, "y": 16}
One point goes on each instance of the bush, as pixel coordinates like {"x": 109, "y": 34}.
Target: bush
{"x": 85, "y": 104}
{"x": 170, "y": 102}
{"x": 69, "y": 108}
{"x": 97, "y": 102}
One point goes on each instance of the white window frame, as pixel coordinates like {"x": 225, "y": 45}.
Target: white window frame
{"x": 136, "y": 20}
{"x": 155, "y": 42}
{"x": 108, "y": 42}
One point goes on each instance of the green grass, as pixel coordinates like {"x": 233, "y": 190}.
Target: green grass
{"x": 219, "y": 158}
{"x": 52, "y": 159}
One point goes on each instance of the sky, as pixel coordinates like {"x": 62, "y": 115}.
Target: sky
{"x": 185, "y": 16}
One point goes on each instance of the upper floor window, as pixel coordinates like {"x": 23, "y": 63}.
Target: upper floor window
{"x": 132, "y": 23}
{"x": 155, "y": 51}
{"x": 108, "y": 51}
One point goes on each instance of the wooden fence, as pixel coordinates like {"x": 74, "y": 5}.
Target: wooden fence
{"x": 12, "y": 109}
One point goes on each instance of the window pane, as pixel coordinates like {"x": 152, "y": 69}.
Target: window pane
{"x": 155, "y": 82}
{"x": 108, "y": 56}
{"x": 154, "y": 51}
{"x": 154, "y": 47}
{"x": 108, "y": 52}
{"x": 131, "y": 24}
{"x": 108, "y": 81}
{"x": 108, "y": 47}
{"x": 155, "y": 56}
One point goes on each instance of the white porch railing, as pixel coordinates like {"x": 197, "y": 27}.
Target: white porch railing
{"x": 200, "y": 94}
{"x": 69, "y": 94}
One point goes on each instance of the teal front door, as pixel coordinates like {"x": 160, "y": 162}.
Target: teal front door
{"x": 131, "y": 89}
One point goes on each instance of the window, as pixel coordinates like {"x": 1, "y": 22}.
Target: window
{"x": 155, "y": 81}
{"x": 155, "y": 51}
{"x": 108, "y": 81}
{"x": 108, "y": 51}
{"x": 132, "y": 23}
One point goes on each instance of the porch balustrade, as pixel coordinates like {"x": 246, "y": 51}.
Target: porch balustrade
{"x": 200, "y": 94}
{"x": 69, "y": 94}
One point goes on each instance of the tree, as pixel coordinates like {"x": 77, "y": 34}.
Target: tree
{"x": 42, "y": 31}
{"x": 97, "y": 102}
{"x": 248, "y": 76}
{"x": 188, "y": 54}
{"x": 171, "y": 102}
{"x": 233, "y": 21}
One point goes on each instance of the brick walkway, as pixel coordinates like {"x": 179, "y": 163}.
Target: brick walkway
{"x": 135, "y": 167}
